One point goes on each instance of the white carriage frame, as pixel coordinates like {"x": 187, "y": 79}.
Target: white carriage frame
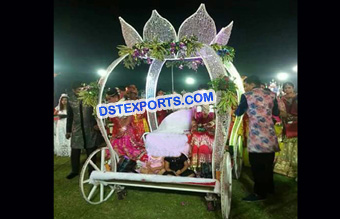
{"x": 221, "y": 159}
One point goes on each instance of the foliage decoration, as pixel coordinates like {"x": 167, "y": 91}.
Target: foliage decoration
{"x": 227, "y": 53}
{"x": 90, "y": 95}
{"x": 191, "y": 64}
{"x": 227, "y": 87}
{"x": 187, "y": 46}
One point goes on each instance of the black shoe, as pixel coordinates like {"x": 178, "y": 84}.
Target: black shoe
{"x": 205, "y": 170}
{"x": 124, "y": 192}
{"x": 253, "y": 198}
{"x": 202, "y": 174}
{"x": 121, "y": 195}
{"x": 209, "y": 170}
{"x": 71, "y": 175}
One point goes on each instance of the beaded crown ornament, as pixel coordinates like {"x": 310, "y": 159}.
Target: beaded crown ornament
{"x": 200, "y": 25}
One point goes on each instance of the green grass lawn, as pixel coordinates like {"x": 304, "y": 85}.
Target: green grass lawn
{"x": 154, "y": 203}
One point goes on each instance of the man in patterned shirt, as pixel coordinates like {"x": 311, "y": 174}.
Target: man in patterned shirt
{"x": 260, "y": 105}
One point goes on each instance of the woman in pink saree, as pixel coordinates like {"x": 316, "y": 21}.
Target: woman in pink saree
{"x": 123, "y": 140}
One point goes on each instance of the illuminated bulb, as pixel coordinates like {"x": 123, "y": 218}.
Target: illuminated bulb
{"x": 282, "y": 76}
{"x": 101, "y": 72}
{"x": 190, "y": 80}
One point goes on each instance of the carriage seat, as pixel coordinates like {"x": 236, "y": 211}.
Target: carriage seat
{"x": 170, "y": 139}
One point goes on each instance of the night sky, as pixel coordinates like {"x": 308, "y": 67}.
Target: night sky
{"x": 87, "y": 33}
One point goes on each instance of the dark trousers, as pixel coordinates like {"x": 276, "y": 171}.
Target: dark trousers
{"x": 75, "y": 159}
{"x": 262, "y": 165}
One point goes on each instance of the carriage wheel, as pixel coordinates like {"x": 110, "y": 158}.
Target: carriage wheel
{"x": 238, "y": 158}
{"x": 226, "y": 182}
{"x": 98, "y": 193}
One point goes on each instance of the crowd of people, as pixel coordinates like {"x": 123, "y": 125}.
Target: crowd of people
{"x": 126, "y": 139}
{"x": 76, "y": 129}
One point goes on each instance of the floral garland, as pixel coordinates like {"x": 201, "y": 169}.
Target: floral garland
{"x": 192, "y": 64}
{"x": 141, "y": 52}
{"x": 227, "y": 53}
{"x": 227, "y": 87}
{"x": 89, "y": 95}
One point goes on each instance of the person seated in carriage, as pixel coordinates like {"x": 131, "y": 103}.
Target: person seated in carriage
{"x": 139, "y": 121}
{"x": 123, "y": 139}
{"x": 170, "y": 141}
{"x": 178, "y": 166}
{"x": 154, "y": 165}
{"x": 202, "y": 138}
{"x": 110, "y": 97}
{"x": 162, "y": 113}
{"x": 122, "y": 93}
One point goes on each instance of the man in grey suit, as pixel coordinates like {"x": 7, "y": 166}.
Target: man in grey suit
{"x": 82, "y": 126}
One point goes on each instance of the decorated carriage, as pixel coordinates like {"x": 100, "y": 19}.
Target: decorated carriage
{"x": 204, "y": 45}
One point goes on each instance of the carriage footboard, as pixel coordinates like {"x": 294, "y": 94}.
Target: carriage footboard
{"x": 156, "y": 181}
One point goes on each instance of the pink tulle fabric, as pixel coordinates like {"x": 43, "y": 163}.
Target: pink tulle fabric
{"x": 166, "y": 144}
{"x": 170, "y": 140}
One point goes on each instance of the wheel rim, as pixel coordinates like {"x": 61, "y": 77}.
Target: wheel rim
{"x": 98, "y": 193}
{"x": 238, "y": 158}
{"x": 226, "y": 185}
{"x": 235, "y": 160}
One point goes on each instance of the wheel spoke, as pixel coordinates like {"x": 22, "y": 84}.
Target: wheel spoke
{"x": 102, "y": 167}
{"x": 94, "y": 165}
{"x": 92, "y": 192}
{"x": 101, "y": 192}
